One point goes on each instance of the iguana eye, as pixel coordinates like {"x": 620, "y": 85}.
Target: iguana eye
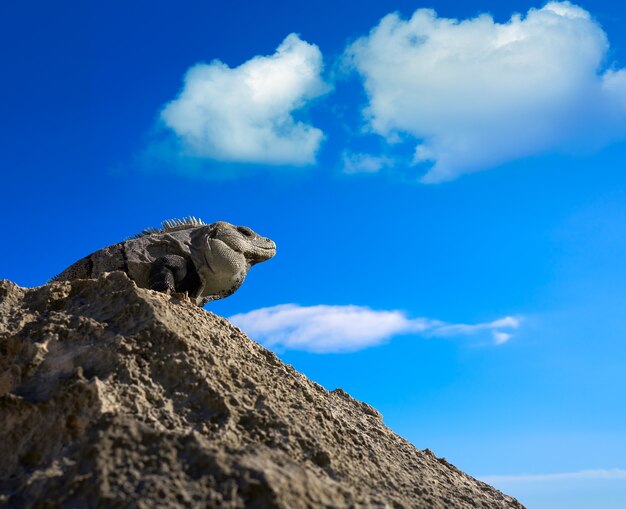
{"x": 246, "y": 232}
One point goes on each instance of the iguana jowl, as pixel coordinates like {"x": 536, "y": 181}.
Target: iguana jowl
{"x": 208, "y": 261}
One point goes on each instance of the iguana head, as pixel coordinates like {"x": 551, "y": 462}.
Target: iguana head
{"x": 223, "y": 253}
{"x": 244, "y": 240}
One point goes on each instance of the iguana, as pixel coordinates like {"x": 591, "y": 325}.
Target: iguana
{"x": 208, "y": 261}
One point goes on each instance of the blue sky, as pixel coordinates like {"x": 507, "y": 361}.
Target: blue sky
{"x": 447, "y": 197}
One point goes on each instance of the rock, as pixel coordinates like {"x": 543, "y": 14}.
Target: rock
{"x": 115, "y": 396}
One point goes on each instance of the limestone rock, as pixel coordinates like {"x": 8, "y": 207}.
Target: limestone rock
{"x": 116, "y": 396}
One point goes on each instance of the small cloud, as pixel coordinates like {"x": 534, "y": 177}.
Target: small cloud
{"x": 326, "y": 329}
{"x": 364, "y": 163}
{"x": 608, "y": 474}
{"x": 473, "y": 93}
{"x": 501, "y": 337}
{"x": 507, "y": 322}
{"x": 245, "y": 114}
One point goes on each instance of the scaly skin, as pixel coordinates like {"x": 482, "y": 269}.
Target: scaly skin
{"x": 207, "y": 261}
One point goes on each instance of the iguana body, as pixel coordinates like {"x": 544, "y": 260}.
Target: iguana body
{"x": 208, "y": 261}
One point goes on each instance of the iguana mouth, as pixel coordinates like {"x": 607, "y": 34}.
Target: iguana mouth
{"x": 265, "y": 254}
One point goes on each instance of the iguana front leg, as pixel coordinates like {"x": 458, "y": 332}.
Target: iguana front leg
{"x": 167, "y": 273}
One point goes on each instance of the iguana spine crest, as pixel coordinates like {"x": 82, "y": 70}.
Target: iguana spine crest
{"x": 172, "y": 225}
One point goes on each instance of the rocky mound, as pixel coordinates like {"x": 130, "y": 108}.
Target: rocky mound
{"x": 114, "y": 396}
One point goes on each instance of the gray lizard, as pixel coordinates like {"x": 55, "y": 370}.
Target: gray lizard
{"x": 208, "y": 261}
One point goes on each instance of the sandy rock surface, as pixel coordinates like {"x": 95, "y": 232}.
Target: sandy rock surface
{"x": 114, "y": 396}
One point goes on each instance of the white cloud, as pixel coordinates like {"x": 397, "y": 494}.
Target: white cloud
{"x": 501, "y": 337}
{"x": 356, "y": 162}
{"x": 507, "y": 322}
{"x": 245, "y": 114}
{"x": 475, "y": 93}
{"x": 324, "y": 329}
{"x": 609, "y": 474}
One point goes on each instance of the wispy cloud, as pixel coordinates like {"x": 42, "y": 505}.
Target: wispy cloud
{"x": 474, "y": 93}
{"x": 364, "y": 163}
{"x": 245, "y": 114}
{"x": 500, "y": 337}
{"x": 325, "y": 329}
{"x": 609, "y": 474}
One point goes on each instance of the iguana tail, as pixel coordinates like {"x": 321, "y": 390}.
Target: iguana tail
{"x": 82, "y": 269}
